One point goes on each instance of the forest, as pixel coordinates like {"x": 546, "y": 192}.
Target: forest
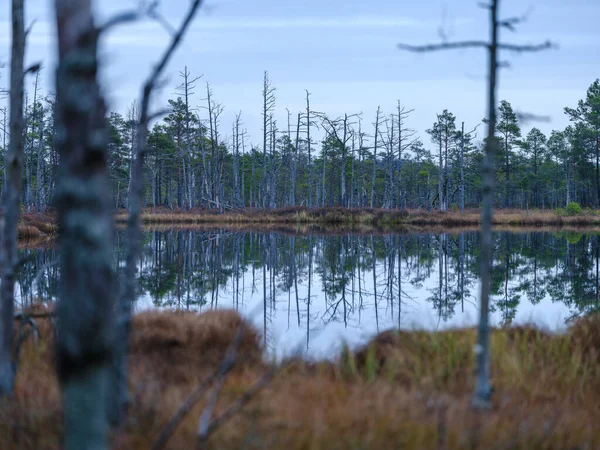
{"x": 195, "y": 161}
{"x": 163, "y": 304}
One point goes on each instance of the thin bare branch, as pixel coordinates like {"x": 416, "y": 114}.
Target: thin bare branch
{"x": 227, "y": 364}
{"x": 442, "y": 46}
{"x": 119, "y": 19}
{"x": 525, "y": 117}
{"x": 526, "y": 48}
{"x": 30, "y": 28}
{"x": 34, "y": 68}
{"x": 235, "y": 407}
{"x": 152, "y": 80}
{"x": 475, "y": 44}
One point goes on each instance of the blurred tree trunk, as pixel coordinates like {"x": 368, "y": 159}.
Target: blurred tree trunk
{"x": 86, "y": 307}
{"x": 12, "y": 197}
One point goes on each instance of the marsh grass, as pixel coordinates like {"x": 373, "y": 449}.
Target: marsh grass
{"x": 32, "y": 226}
{"x": 407, "y": 389}
{"x": 367, "y": 218}
{"x": 301, "y": 220}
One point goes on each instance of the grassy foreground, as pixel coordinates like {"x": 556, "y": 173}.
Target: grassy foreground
{"x": 408, "y": 390}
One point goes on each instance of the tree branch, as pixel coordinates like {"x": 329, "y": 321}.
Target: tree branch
{"x": 227, "y": 364}
{"x": 442, "y": 46}
{"x": 119, "y": 19}
{"x": 526, "y": 48}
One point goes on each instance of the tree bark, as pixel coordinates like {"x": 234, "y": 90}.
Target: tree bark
{"x": 483, "y": 390}
{"x": 12, "y": 197}
{"x": 377, "y": 118}
{"x": 85, "y": 309}
{"x": 462, "y": 169}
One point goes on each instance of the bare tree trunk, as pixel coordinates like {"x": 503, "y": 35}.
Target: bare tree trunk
{"x": 377, "y": 119}
{"x": 344, "y": 200}
{"x": 236, "y": 160}
{"x": 441, "y": 176}
{"x": 12, "y": 196}
{"x": 119, "y": 399}
{"x": 308, "y": 143}
{"x": 483, "y": 389}
{"x": 294, "y": 164}
{"x": 352, "y": 177}
{"x": 40, "y": 194}
{"x": 272, "y": 167}
{"x": 323, "y": 190}
{"x": 132, "y": 117}
{"x": 268, "y": 106}
{"x": 85, "y": 309}
{"x": 462, "y": 169}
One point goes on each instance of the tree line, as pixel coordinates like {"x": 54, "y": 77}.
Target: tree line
{"x": 193, "y": 160}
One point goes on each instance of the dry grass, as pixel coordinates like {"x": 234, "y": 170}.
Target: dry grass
{"x": 364, "y": 218}
{"x": 402, "y": 390}
{"x": 300, "y": 220}
{"x": 35, "y": 226}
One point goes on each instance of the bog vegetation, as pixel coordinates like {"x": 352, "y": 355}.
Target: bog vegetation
{"x": 407, "y": 389}
{"x": 89, "y": 374}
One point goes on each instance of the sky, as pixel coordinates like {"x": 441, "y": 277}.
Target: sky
{"x": 343, "y": 52}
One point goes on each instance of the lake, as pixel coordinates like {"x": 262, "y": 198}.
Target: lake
{"x": 311, "y": 293}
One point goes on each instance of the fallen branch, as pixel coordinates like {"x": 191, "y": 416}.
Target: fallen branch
{"x": 206, "y": 430}
{"x": 227, "y": 364}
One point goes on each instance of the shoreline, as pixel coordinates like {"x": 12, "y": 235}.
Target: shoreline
{"x": 332, "y": 220}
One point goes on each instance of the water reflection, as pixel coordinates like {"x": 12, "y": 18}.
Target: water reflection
{"x": 319, "y": 289}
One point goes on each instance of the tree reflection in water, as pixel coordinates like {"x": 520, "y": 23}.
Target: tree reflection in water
{"x": 351, "y": 286}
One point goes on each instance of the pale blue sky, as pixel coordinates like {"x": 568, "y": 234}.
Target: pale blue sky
{"x": 344, "y": 53}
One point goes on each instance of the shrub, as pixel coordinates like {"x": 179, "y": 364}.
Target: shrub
{"x": 573, "y": 209}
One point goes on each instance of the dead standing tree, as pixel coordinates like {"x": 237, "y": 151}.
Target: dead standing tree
{"x": 341, "y": 130}
{"x": 268, "y": 95}
{"x": 483, "y": 389}
{"x": 186, "y": 88}
{"x": 377, "y": 126}
{"x": 406, "y": 139}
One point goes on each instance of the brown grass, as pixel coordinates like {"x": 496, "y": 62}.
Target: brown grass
{"x": 331, "y": 220}
{"x": 402, "y": 390}
{"x": 34, "y": 226}
{"x": 365, "y": 219}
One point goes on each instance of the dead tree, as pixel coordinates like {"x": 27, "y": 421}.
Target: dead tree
{"x": 406, "y": 140}
{"x": 308, "y": 144}
{"x": 12, "y": 199}
{"x": 376, "y": 137}
{"x": 236, "y": 135}
{"x": 119, "y": 398}
{"x": 186, "y": 88}
{"x": 483, "y": 389}
{"x": 341, "y": 130}
{"x": 294, "y": 162}
{"x": 268, "y": 95}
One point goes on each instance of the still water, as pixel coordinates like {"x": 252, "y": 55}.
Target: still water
{"x": 314, "y": 292}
